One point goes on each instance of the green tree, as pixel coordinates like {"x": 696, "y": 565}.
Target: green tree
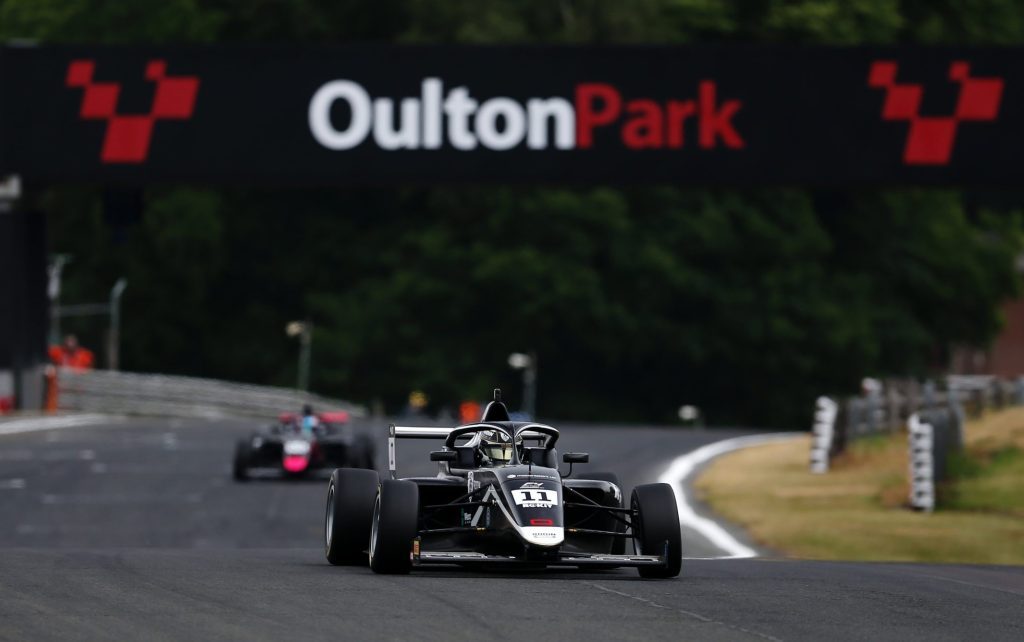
{"x": 748, "y": 303}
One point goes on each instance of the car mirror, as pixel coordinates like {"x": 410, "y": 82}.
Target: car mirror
{"x": 444, "y": 455}
{"x": 576, "y": 458}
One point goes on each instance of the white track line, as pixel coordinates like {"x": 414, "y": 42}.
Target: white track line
{"x": 684, "y": 466}
{"x": 32, "y": 424}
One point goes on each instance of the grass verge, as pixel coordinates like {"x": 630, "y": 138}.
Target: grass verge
{"x": 858, "y": 510}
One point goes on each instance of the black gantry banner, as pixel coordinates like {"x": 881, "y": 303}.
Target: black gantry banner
{"x": 367, "y": 114}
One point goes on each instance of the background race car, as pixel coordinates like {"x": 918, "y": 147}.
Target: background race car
{"x": 300, "y": 445}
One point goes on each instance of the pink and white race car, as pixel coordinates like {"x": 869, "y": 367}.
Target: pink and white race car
{"x": 302, "y": 444}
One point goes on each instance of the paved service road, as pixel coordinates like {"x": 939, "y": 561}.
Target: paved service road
{"x": 135, "y": 530}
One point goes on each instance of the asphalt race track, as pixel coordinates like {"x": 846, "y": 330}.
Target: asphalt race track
{"x": 135, "y": 530}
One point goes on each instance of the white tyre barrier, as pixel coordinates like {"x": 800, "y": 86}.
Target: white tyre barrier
{"x": 922, "y": 464}
{"x": 825, "y": 413}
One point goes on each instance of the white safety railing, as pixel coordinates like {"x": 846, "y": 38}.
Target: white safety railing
{"x": 176, "y": 396}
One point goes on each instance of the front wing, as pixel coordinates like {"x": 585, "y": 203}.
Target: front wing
{"x": 425, "y": 558}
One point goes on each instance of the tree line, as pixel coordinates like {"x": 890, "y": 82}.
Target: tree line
{"x": 748, "y": 303}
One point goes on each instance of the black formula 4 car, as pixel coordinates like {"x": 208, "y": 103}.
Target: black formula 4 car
{"x": 498, "y": 500}
{"x": 285, "y": 449}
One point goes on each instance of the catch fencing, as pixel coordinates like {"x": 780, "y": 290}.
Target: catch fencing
{"x": 176, "y": 396}
{"x": 887, "y": 409}
{"x": 934, "y": 420}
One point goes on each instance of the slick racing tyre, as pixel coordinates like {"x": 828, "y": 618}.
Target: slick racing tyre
{"x": 394, "y": 527}
{"x": 619, "y": 543}
{"x": 656, "y": 528}
{"x": 240, "y": 466}
{"x": 350, "y": 498}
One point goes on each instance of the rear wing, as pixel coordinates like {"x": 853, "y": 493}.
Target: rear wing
{"x": 411, "y": 432}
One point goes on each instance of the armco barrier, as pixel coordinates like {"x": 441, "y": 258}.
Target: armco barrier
{"x": 887, "y": 410}
{"x": 176, "y": 396}
{"x": 934, "y": 422}
{"x": 947, "y": 436}
{"x": 934, "y": 435}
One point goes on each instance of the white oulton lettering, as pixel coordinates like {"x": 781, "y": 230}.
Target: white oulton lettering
{"x": 432, "y": 113}
{"x": 320, "y": 114}
{"x": 499, "y": 123}
{"x": 486, "y": 123}
{"x": 407, "y": 134}
{"x": 458, "y": 107}
{"x": 564, "y": 117}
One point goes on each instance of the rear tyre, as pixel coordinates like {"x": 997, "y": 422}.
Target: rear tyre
{"x": 656, "y": 529}
{"x": 618, "y": 543}
{"x": 350, "y": 497}
{"x": 240, "y": 465}
{"x": 395, "y": 517}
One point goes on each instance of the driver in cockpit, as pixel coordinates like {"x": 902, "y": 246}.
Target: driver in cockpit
{"x": 495, "y": 448}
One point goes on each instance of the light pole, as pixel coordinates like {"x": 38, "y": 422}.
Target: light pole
{"x": 114, "y": 340}
{"x": 528, "y": 364}
{"x": 54, "y": 271}
{"x": 304, "y": 331}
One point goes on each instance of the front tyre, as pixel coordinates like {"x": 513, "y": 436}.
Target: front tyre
{"x": 656, "y": 529}
{"x": 395, "y": 517}
{"x": 350, "y": 498}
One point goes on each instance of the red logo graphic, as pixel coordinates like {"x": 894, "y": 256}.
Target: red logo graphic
{"x": 930, "y": 139}
{"x": 127, "y": 136}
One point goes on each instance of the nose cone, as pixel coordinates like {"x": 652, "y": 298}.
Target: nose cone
{"x": 543, "y": 535}
{"x": 534, "y": 497}
{"x": 296, "y": 463}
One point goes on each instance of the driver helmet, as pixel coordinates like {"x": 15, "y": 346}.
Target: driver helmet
{"x": 309, "y": 420}
{"x": 496, "y": 446}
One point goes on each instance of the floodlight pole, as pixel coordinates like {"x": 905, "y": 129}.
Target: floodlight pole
{"x": 304, "y": 331}
{"x": 54, "y": 273}
{"x": 114, "y": 340}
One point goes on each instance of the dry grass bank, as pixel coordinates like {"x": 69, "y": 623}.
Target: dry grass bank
{"x": 858, "y": 510}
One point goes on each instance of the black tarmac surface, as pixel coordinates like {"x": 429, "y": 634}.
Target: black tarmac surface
{"x": 136, "y": 531}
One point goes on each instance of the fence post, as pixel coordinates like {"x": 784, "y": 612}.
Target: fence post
{"x": 892, "y": 408}
{"x": 928, "y": 393}
{"x": 957, "y": 420}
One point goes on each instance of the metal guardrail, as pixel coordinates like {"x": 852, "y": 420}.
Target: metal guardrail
{"x": 175, "y": 396}
{"x": 934, "y": 421}
{"x": 887, "y": 410}
{"x": 934, "y": 435}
